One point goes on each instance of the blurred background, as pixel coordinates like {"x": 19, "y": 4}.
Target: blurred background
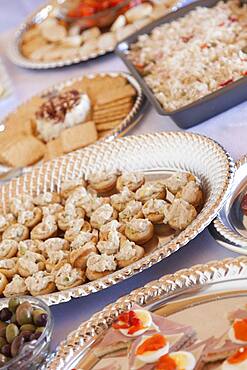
{"x": 12, "y": 12}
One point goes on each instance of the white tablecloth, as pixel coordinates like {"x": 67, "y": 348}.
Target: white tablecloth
{"x": 229, "y": 129}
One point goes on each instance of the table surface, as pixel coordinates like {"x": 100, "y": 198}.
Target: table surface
{"x": 229, "y": 129}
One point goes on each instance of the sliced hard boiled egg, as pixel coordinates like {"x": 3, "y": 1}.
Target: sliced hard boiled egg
{"x": 238, "y": 331}
{"x": 184, "y": 360}
{"x": 146, "y": 324}
{"x": 151, "y": 348}
{"x": 238, "y": 361}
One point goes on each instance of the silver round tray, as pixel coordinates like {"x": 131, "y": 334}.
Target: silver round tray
{"x": 156, "y": 155}
{"x": 38, "y": 16}
{"x": 230, "y": 227}
{"x": 213, "y": 283}
{"x": 133, "y": 117}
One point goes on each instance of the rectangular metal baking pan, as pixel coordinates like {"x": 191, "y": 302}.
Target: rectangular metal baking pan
{"x": 202, "y": 109}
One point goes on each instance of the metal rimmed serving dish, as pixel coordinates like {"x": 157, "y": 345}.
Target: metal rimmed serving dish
{"x": 157, "y": 155}
{"x": 175, "y": 296}
{"x": 38, "y": 16}
{"x": 131, "y": 119}
{"x": 201, "y": 109}
{"x": 230, "y": 226}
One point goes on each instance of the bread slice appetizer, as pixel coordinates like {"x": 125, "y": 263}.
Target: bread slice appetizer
{"x": 76, "y": 226}
{"x": 30, "y": 218}
{"x": 5, "y": 221}
{"x": 113, "y": 225}
{"x": 52, "y": 209}
{"x": 78, "y": 257}
{"x": 103, "y": 215}
{"x": 139, "y": 230}
{"x": 8, "y": 248}
{"x": 46, "y": 198}
{"x": 30, "y": 263}
{"x": 69, "y": 214}
{"x": 8, "y": 267}
{"x": 45, "y": 229}
{"x": 20, "y": 203}
{"x": 16, "y": 232}
{"x": 177, "y": 181}
{"x": 84, "y": 237}
{"x": 119, "y": 201}
{"x": 132, "y": 210}
{"x": 16, "y": 287}
{"x": 191, "y": 193}
{"x": 68, "y": 277}
{"x": 68, "y": 186}
{"x": 56, "y": 259}
{"x": 53, "y": 245}
{"x": 129, "y": 253}
{"x": 153, "y": 210}
{"x": 99, "y": 266}
{"x": 28, "y": 245}
{"x": 154, "y": 190}
{"x": 40, "y": 283}
{"x": 3, "y": 282}
{"x": 132, "y": 180}
{"x": 179, "y": 214}
{"x": 102, "y": 182}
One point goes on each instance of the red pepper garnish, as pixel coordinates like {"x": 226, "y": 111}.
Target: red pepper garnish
{"x": 166, "y": 363}
{"x": 90, "y": 7}
{"x": 239, "y": 356}
{"x": 154, "y": 343}
{"x": 186, "y": 38}
{"x": 222, "y": 84}
{"x": 245, "y": 72}
{"x": 204, "y": 46}
{"x": 221, "y": 24}
{"x": 128, "y": 320}
{"x": 232, "y": 18}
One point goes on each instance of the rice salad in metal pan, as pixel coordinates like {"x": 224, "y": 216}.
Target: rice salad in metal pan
{"x": 193, "y": 56}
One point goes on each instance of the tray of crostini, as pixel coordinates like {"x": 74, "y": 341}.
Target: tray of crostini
{"x": 54, "y": 36}
{"x": 162, "y": 325}
{"x": 85, "y": 221}
{"x": 71, "y": 115}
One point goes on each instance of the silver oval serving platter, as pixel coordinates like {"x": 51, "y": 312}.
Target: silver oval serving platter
{"x": 38, "y": 17}
{"x": 202, "y": 293}
{"x": 157, "y": 155}
{"x": 131, "y": 119}
{"x": 230, "y": 226}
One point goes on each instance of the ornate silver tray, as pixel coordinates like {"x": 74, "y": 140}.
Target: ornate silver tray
{"x": 133, "y": 117}
{"x": 178, "y": 296}
{"x": 39, "y": 16}
{"x": 230, "y": 226}
{"x": 156, "y": 155}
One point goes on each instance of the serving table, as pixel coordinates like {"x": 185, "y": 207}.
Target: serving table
{"x": 229, "y": 129}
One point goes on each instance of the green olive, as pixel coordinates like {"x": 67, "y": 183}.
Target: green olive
{"x": 2, "y": 342}
{"x": 28, "y": 327}
{"x": 24, "y": 313}
{"x": 13, "y": 319}
{"x": 11, "y": 332}
{"x": 17, "y": 345}
{"x": 3, "y": 360}
{"x": 40, "y": 329}
{"x": 13, "y": 304}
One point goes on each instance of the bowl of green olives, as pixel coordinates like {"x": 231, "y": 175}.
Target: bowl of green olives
{"x": 26, "y": 327}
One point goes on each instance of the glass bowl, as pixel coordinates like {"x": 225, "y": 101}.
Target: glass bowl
{"x": 32, "y": 356}
{"x": 102, "y": 19}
